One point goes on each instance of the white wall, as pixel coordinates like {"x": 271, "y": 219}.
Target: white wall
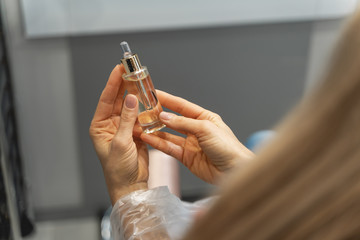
{"x": 42, "y": 81}
{"x": 324, "y": 36}
{"x": 78, "y": 17}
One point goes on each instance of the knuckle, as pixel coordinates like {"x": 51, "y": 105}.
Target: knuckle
{"x": 127, "y": 116}
{"x": 177, "y": 121}
{"x": 217, "y": 117}
{"x": 181, "y": 120}
{"x": 170, "y": 149}
{"x": 212, "y": 116}
{"x": 157, "y": 145}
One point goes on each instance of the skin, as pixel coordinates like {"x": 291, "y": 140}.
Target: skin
{"x": 123, "y": 156}
{"x": 208, "y": 149}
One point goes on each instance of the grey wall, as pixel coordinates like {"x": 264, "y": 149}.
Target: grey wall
{"x": 250, "y": 75}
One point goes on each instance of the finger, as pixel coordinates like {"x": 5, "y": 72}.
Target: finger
{"x": 120, "y": 96}
{"x": 171, "y": 138}
{"x": 184, "y": 124}
{"x": 108, "y": 96}
{"x": 128, "y": 117}
{"x": 180, "y": 105}
{"x": 165, "y": 146}
{"x": 137, "y": 130}
{"x": 119, "y": 101}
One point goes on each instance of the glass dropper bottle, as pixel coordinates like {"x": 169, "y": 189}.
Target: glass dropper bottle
{"x": 138, "y": 82}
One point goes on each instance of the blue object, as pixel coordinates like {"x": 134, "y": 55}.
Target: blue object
{"x": 257, "y": 139}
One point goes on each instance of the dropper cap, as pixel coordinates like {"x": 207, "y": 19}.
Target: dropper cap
{"x": 130, "y": 61}
{"x": 125, "y": 48}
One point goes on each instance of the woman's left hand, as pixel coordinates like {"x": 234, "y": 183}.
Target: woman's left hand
{"x": 123, "y": 156}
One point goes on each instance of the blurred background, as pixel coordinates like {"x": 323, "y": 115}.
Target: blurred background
{"x": 249, "y": 61}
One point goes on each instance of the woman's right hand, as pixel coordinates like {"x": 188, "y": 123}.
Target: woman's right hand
{"x": 210, "y": 147}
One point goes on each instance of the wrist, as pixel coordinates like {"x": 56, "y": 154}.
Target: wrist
{"x": 117, "y": 193}
{"x": 243, "y": 156}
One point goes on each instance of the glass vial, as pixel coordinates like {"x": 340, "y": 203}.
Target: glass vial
{"x": 138, "y": 82}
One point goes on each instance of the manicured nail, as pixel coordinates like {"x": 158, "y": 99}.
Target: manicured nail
{"x": 130, "y": 101}
{"x": 166, "y": 115}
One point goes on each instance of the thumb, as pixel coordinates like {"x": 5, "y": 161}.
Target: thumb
{"x": 184, "y": 124}
{"x": 128, "y": 117}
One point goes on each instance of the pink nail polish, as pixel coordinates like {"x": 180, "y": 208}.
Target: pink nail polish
{"x": 130, "y": 101}
{"x": 138, "y": 82}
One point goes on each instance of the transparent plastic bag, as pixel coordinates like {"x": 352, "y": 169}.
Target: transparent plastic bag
{"x": 153, "y": 214}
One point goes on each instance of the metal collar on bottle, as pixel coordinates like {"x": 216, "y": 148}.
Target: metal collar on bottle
{"x": 131, "y": 63}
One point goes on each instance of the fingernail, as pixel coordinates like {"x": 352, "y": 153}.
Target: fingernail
{"x": 166, "y": 115}
{"x": 130, "y": 101}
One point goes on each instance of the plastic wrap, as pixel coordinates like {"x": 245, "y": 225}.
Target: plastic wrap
{"x": 152, "y": 214}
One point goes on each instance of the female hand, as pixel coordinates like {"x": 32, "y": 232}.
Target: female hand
{"x": 124, "y": 157}
{"x": 209, "y": 148}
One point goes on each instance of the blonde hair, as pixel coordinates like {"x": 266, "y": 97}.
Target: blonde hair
{"x": 306, "y": 183}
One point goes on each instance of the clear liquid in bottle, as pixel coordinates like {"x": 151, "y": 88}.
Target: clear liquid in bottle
{"x": 139, "y": 83}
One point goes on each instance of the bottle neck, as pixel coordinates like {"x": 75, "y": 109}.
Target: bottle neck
{"x": 136, "y": 76}
{"x": 131, "y": 63}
